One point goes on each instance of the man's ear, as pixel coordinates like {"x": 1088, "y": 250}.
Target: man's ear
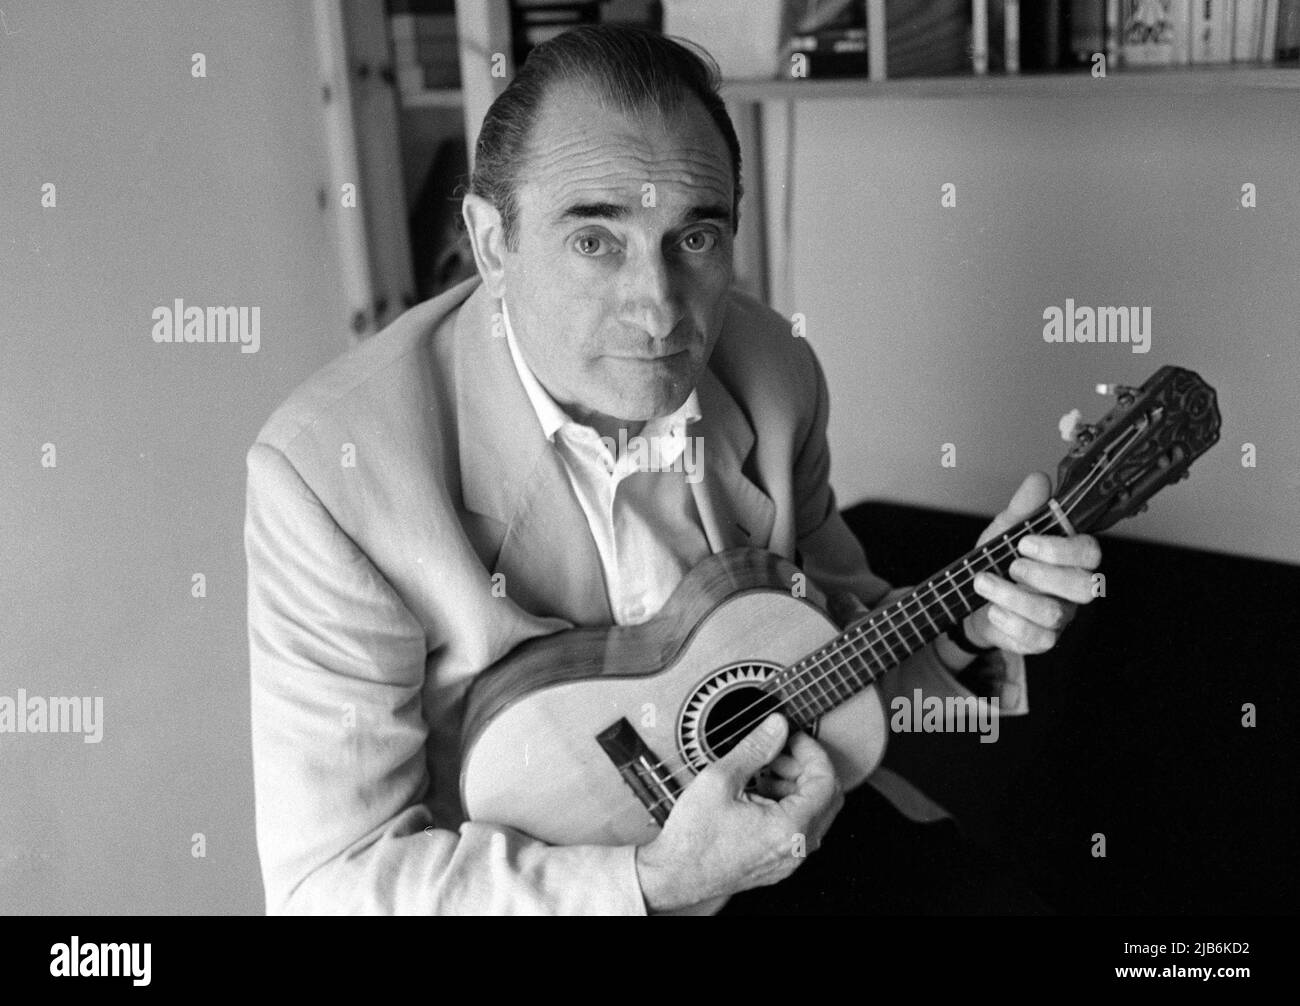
{"x": 487, "y": 238}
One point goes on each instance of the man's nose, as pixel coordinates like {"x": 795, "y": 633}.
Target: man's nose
{"x": 650, "y": 298}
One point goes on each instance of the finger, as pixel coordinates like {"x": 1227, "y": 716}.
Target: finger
{"x": 1009, "y": 631}
{"x": 776, "y": 789}
{"x": 816, "y": 785}
{"x": 844, "y": 608}
{"x": 1081, "y": 550}
{"x": 785, "y": 767}
{"x": 810, "y": 757}
{"x": 751, "y": 753}
{"x": 1067, "y": 582}
{"x": 1041, "y": 610}
{"x": 1032, "y": 494}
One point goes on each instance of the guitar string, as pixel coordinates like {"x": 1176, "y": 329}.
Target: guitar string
{"x": 1068, "y": 504}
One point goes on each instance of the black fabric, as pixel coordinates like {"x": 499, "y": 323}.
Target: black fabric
{"x": 1135, "y": 730}
{"x": 874, "y": 861}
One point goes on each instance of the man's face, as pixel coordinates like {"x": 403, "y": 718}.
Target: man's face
{"x": 617, "y": 289}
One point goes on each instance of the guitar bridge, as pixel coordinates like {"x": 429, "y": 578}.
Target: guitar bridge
{"x": 641, "y": 769}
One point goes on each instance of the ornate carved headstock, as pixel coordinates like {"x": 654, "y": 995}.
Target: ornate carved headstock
{"x": 1148, "y": 440}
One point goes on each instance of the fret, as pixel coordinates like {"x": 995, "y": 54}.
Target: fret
{"x": 919, "y": 637}
{"x": 871, "y": 646}
{"x": 831, "y": 675}
{"x": 818, "y": 690}
{"x": 882, "y": 638}
{"x": 939, "y": 597}
{"x": 925, "y": 609}
{"x": 971, "y": 581}
{"x": 846, "y": 678}
{"x": 792, "y": 696}
{"x": 865, "y": 655}
{"x": 806, "y": 686}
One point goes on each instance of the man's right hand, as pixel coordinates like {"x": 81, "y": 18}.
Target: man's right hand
{"x": 719, "y": 840}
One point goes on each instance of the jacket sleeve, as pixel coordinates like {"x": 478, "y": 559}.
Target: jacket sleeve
{"x": 833, "y": 558}
{"x": 339, "y": 737}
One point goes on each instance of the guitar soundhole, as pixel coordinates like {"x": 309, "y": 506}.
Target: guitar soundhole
{"x": 722, "y": 709}
{"x": 733, "y": 714}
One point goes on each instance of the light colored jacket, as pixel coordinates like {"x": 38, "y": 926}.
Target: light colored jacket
{"x": 383, "y": 496}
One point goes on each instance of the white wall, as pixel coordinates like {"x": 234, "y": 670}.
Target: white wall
{"x": 929, "y": 320}
{"x": 167, "y": 186}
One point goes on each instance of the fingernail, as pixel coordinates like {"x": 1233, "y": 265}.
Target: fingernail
{"x": 1029, "y": 546}
{"x": 772, "y": 725}
{"x": 1018, "y": 567}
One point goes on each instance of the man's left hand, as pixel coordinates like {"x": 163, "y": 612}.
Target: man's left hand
{"x": 1050, "y": 578}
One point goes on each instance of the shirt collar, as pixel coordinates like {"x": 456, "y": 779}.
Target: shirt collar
{"x": 553, "y": 418}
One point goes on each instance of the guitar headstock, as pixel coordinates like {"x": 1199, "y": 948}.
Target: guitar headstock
{"x": 1148, "y": 440}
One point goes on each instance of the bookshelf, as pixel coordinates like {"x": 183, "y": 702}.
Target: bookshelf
{"x": 761, "y": 109}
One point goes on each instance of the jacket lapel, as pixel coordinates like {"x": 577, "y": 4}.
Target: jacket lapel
{"x": 733, "y": 510}
{"x": 512, "y": 476}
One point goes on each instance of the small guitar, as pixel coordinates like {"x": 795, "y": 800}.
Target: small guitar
{"x": 589, "y": 736}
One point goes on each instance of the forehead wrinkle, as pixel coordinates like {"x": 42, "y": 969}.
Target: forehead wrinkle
{"x": 595, "y": 182}
{"x": 579, "y": 147}
{"x": 613, "y": 161}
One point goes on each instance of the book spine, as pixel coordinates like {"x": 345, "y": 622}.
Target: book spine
{"x": 876, "y": 68}
{"x": 1212, "y": 24}
{"x": 980, "y": 36}
{"x": 1268, "y": 32}
{"x": 1011, "y": 35}
{"x": 1113, "y": 36}
{"x": 1156, "y": 33}
{"x": 1246, "y": 26}
{"x": 1180, "y": 19}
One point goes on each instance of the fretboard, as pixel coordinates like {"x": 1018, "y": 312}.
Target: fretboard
{"x": 868, "y": 648}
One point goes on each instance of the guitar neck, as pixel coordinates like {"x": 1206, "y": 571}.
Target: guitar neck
{"x": 870, "y": 647}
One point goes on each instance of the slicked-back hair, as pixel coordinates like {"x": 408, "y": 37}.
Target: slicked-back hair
{"x": 630, "y": 69}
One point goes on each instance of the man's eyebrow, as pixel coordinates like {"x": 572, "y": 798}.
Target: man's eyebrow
{"x": 597, "y": 211}
{"x": 713, "y": 211}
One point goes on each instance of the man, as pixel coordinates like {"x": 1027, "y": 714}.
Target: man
{"x": 455, "y": 486}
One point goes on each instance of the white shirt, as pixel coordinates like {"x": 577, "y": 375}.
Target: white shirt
{"x": 638, "y": 501}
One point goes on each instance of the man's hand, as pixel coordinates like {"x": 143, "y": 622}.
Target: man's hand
{"x": 1053, "y": 575}
{"x": 720, "y": 839}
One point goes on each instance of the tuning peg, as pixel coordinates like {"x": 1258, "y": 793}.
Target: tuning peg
{"x": 1085, "y": 433}
{"x": 1125, "y": 395}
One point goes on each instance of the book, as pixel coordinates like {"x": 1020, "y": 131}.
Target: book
{"x": 1156, "y": 32}
{"x": 1211, "y": 31}
{"x": 1087, "y": 30}
{"x": 928, "y": 40}
{"x": 1247, "y": 30}
{"x": 1268, "y": 32}
{"x": 1287, "y": 48}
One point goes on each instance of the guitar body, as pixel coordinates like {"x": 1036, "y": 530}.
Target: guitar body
{"x": 682, "y": 684}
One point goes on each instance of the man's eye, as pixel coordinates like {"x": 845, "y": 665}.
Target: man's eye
{"x": 592, "y": 245}
{"x": 700, "y": 241}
